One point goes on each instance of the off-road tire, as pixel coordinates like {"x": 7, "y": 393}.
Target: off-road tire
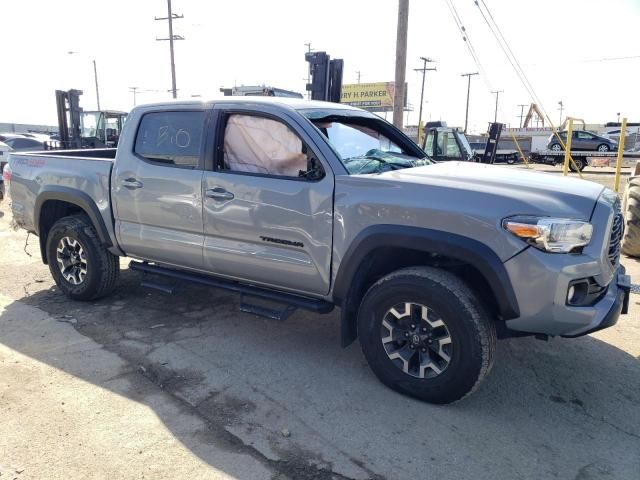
{"x": 473, "y": 334}
{"x": 103, "y": 268}
{"x": 631, "y": 210}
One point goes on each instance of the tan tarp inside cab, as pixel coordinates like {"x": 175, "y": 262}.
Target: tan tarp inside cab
{"x": 261, "y": 145}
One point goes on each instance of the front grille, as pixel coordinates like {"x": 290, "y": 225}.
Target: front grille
{"x": 617, "y": 230}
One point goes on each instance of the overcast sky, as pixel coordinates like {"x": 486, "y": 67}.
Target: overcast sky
{"x": 583, "y": 52}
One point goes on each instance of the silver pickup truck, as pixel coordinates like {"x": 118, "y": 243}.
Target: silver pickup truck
{"x": 298, "y": 204}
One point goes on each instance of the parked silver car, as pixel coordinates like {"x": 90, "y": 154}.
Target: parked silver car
{"x": 20, "y": 143}
{"x": 583, "y": 140}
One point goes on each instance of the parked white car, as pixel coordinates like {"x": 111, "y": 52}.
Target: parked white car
{"x": 4, "y": 158}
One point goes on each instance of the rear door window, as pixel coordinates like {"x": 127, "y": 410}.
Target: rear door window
{"x": 584, "y": 136}
{"x": 171, "y": 138}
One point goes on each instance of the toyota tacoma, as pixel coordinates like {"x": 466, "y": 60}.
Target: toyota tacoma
{"x": 298, "y": 204}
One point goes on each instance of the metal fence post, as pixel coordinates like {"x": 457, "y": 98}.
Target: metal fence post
{"x": 567, "y": 148}
{"x": 623, "y": 130}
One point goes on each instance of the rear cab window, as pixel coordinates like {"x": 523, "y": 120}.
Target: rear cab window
{"x": 171, "y": 138}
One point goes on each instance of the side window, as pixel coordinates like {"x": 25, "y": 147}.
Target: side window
{"x": 447, "y": 145}
{"x": 171, "y": 138}
{"x": 428, "y": 144}
{"x": 256, "y": 144}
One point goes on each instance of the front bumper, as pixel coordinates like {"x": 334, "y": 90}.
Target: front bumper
{"x": 620, "y": 305}
{"x": 541, "y": 282}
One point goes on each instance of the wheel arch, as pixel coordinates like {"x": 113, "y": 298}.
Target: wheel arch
{"x": 366, "y": 260}
{"x": 56, "y": 202}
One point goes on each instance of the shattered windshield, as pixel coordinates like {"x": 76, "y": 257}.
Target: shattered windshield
{"x": 364, "y": 145}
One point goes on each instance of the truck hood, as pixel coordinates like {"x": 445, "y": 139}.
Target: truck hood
{"x": 520, "y": 191}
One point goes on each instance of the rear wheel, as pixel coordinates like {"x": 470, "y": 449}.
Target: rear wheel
{"x": 80, "y": 265}
{"x": 425, "y": 334}
{"x": 579, "y": 163}
{"x": 631, "y": 205}
{"x": 603, "y": 148}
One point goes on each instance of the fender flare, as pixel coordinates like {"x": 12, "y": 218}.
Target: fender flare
{"x": 349, "y": 279}
{"x": 75, "y": 197}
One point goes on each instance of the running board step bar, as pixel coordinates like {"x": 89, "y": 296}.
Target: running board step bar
{"x": 273, "y": 310}
{"x": 287, "y": 299}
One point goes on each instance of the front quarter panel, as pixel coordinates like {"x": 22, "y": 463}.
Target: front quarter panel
{"x": 364, "y": 201}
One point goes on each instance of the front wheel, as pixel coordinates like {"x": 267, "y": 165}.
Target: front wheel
{"x": 81, "y": 266}
{"x": 556, "y": 147}
{"x": 425, "y": 334}
{"x": 603, "y": 148}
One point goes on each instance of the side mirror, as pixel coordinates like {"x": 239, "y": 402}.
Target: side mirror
{"x": 314, "y": 169}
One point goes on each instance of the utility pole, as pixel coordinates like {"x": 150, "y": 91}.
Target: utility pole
{"x": 401, "y": 61}
{"x": 466, "y": 114}
{"x": 424, "y": 70}
{"x": 308, "y": 45}
{"x": 170, "y": 18}
{"x": 497, "y": 93}
{"x": 134, "y": 90}
{"x": 521, "y": 113}
{"x": 95, "y": 77}
{"x": 560, "y": 108}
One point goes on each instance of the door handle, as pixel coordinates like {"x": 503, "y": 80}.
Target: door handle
{"x": 218, "y": 194}
{"x": 131, "y": 183}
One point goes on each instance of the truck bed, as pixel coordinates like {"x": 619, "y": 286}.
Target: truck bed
{"x": 80, "y": 175}
{"x": 93, "y": 153}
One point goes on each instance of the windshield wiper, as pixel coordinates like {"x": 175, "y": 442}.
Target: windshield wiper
{"x": 380, "y": 161}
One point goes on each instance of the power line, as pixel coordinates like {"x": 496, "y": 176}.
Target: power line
{"x": 504, "y": 46}
{"x": 171, "y": 38}
{"x": 506, "y": 49}
{"x": 608, "y": 59}
{"x": 467, "y": 41}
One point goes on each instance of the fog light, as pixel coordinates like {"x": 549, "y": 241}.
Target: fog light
{"x": 570, "y": 294}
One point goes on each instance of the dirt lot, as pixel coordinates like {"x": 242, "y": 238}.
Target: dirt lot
{"x": 147, "y": 385}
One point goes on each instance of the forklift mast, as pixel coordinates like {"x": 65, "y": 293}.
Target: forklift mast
{"x": 489, "y": 155}
{"x": 326, "y": 77}
{"x": 69, "y": 113}
{"x": 80, "y": 129}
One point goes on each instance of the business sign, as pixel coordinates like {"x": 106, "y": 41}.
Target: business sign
{"x": 370, "y": 96}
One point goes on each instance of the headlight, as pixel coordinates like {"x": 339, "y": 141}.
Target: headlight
{"x": 557, "y": 235}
